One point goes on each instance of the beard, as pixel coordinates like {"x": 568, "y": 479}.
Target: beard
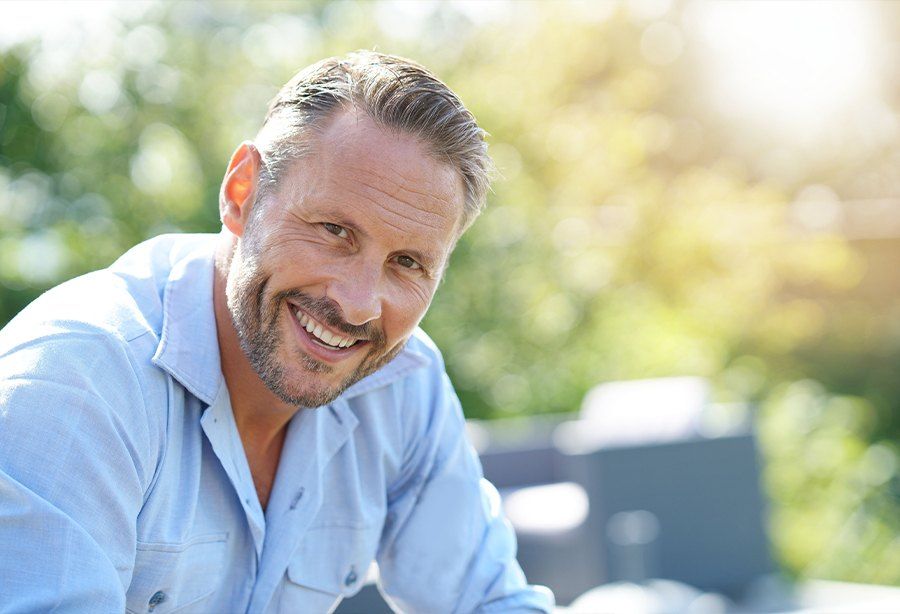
{"x": 256, "y": 319}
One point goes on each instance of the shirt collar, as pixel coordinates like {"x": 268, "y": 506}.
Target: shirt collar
{"x": 189, "y": 349}
{"x": 407, "y": 361}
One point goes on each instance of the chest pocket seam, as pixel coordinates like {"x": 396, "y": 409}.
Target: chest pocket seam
{"x": 163, "y": 567}
{"x": 340, "y": 569}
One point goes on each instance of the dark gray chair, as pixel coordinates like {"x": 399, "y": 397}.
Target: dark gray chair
{"x": 690, "y": 511}
{"x": 705, "y": 496}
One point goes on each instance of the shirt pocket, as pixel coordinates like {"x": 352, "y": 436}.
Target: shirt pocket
{"x": 331, "y": 563}
{"x": 176, "y": 577}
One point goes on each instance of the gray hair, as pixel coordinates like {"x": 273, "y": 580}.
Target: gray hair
{"x": 395, "y": 92}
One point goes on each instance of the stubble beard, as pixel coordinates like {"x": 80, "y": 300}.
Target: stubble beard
{"x": 256, "y": 320}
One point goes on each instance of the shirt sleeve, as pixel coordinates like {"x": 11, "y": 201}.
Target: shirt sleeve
{"x": 446, "y": 545}
{"x": 72, "y": 432}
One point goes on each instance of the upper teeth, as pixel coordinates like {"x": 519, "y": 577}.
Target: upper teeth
{"x": 319, "y": 332}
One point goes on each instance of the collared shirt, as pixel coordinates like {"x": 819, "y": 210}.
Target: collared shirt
{"x": 124, "y": 484}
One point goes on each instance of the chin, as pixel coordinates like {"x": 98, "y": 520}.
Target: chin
{"x": 309, "y": 384}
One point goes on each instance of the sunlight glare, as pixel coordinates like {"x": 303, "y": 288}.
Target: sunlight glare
{"x": 21, "y": 20}
{"x": 791, "y": 65}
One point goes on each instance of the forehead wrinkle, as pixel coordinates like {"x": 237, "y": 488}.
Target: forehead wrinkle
{"x": 421, "y": 218}
{"x": 405, "y": 184}
{"x": 355, "y": 148}
{"x": 430, "y": 219}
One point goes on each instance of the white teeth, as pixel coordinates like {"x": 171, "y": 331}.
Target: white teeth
{"x": 326, "y": 336}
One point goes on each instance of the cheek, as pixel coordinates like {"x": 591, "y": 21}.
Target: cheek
{"x": 298, "y": 262}
{"x": 423, "y": 293}
{"x": 290, "y": 242}
{"x": 405, "y": 312}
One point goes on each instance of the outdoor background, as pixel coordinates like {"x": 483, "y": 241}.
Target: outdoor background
{"x": 686, "y": 188}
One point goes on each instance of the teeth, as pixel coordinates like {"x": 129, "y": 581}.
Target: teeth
{"x": 315, "y": 329}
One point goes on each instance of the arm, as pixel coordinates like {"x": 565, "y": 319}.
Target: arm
{"x": 446, "y": 546}
{"x": 72, "y": 432}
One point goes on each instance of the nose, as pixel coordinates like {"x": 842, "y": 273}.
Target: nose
{"x": 358, "y": 292}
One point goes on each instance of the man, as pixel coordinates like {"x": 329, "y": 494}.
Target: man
{"x": 244, "y": 422}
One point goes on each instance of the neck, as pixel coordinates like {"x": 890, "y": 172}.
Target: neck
{"x": 260, "y": 416}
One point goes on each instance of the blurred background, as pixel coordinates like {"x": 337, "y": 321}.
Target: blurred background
{"x": 686, "y": 189}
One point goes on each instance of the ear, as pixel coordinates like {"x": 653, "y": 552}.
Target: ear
{"x": 239, "y": 188}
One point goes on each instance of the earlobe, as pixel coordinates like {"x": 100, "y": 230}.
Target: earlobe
{"x": 239, "y": 187}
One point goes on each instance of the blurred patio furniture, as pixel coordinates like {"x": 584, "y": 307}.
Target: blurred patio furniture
{"x": 650, "y": 481}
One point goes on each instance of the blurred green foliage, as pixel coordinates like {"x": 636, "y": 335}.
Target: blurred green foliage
{"x": 835, "y": 479}
{"x": 626, "y": 237}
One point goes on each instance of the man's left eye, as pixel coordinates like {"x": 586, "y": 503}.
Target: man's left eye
{"x": 408, "y": 263}
{"x": 338, "y": 231}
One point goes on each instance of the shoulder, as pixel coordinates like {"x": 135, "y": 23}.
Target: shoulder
{"x": 422, "y": 344}
{"x": 430, "y": 380}
{"x": 81, "y": 353}
{"x": 122, "y": 301}
{"x": 79, "y": 344}
{"x": 69, "y": 392}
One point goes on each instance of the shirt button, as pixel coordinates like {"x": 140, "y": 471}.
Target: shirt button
{"x": 351, "y": 577}
{"x": 157, "y": 598}
{"x": 297, "y": 498}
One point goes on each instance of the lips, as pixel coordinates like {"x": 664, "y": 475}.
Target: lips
{"x": 321, "y": 333}
{"x": 316, "y": 346}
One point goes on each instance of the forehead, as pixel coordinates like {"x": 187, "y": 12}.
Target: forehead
{"x": 357, "y": 166}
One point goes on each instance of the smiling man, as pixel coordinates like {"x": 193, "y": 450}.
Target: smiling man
{"x": 244, "y": 422}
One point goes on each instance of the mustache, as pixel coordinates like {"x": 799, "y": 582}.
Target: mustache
{"x": 328, "y": 312}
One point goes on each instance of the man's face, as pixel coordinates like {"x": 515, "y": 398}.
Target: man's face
{"x": 341, "y": 259}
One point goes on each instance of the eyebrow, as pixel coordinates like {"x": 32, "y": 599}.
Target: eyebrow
{"x": 427, "y": 259}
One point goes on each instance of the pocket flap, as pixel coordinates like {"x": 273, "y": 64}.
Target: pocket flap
{"x": 333, "y": 560}
{"x": 171, "y": 576}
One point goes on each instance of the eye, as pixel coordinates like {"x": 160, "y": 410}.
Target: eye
{"x": 338, "y": 231}
{"x": 408, "y": 263}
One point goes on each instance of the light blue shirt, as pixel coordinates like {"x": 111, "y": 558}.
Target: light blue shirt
{"x": 124, "y": 484}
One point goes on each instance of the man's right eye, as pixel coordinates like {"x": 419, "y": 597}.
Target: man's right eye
{"x": 338, "y": 231}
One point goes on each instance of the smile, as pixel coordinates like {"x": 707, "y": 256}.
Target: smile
{"x": 321, "y": 334}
